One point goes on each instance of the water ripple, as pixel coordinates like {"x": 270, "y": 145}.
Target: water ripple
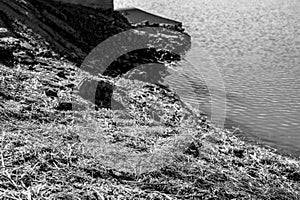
{"x": 256, "y": 45}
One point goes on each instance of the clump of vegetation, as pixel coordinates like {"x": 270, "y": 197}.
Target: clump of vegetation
{"x": 51, "y": 151}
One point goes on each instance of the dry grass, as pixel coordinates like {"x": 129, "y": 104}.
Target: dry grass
{"x": 54, "y": 161}
{"x": 47, "y": 153}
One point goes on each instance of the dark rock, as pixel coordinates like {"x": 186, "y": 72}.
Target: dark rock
{"x": 6, "y": 56}
{"x": 64, "y": 106}
{"x": 5, "y": 96}
{"x": 51, "y": 93}
{"x": 71, "y": 85}
{"x": 103, "y": 96}
{"x": 61, "y": 75}
{"x": 238, "y": 163}
{"x": 193, "y": 149}
{"x": 295, "y": 176}
{"x": 238, "y": 153}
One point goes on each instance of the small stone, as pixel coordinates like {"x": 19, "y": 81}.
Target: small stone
{"x": 6, "y": 56}
{"x": 71, "y": 85}
{"x": 193, "y": 149}
{"x": 61, "y": 75}
{"x": 238, "y": 153}
{"x": 51, "y": 93}
{"x": 64, "y": 106}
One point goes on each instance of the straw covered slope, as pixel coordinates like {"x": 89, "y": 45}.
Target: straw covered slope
{"x": 152, "y": 148}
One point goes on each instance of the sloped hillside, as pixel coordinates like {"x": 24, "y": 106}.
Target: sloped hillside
{"x": 74, "y": 30}
{"x": 49, "y": 151}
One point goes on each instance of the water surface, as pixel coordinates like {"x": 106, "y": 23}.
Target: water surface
{"x": 256, "y": 46}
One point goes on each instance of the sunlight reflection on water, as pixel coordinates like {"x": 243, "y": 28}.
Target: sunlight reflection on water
{"x": 256, "y": 46}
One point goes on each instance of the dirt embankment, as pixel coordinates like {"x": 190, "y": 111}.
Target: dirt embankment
{"x": 74, "y": 30}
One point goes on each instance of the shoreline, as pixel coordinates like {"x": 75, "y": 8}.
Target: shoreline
{"x": 235, "y": 35}
{"x": 248, "y": 137}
